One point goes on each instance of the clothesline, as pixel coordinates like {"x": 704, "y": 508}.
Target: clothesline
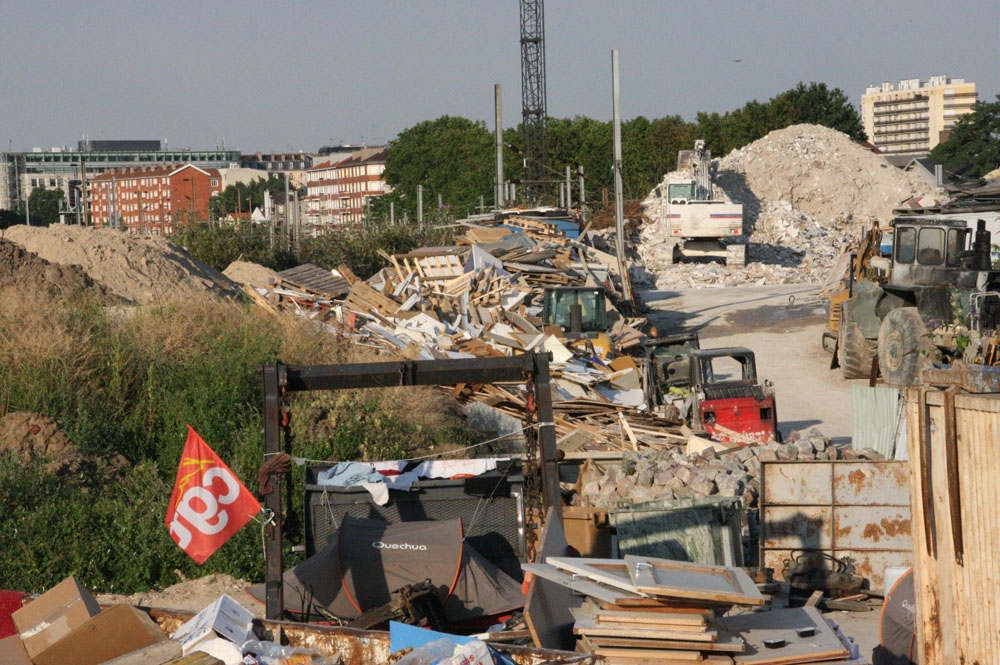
{"x": 300, "y": 461}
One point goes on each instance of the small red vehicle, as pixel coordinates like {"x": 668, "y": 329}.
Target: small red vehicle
{"x": 729, "y": 399}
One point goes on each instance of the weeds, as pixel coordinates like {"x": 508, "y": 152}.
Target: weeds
{"x": 127, "y": 382}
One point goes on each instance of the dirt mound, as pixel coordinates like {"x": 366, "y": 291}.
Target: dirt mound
{"x": 194, "y": 595}
{"x": 37, "y": 436}
{"x": 805, "y": 191}
{"x": 247, "y": 272}
{"x": 21, "y": 268}
{"x": 140, "y": 270}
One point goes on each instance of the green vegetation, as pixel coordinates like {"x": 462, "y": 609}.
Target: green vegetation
{"x": 218, "y": 245}
{"x": 128, "y": 385}
{"x": 455, "y": 156}
{"x": 974, "y": 142}
{"x": 243, "y": 198}
{"x": 43, "y": 204}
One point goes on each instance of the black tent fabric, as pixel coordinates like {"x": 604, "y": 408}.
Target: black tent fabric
{"x": 897, "y": 624}
{"x": 366, "y": 560}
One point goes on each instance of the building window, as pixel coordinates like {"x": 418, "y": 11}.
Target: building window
{"x": 215, "y": 182}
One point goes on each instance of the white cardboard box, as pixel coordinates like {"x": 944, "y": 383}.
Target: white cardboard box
{"x": 225, "y": 618}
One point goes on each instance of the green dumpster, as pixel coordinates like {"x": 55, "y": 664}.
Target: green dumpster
{"x": 704, "y": 530}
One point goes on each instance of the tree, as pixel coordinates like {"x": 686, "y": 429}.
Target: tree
{"x": 243, "y": 197}
{"x": 43, "y": 206}
{"x": 974, "y": 141}
{"x": 816, "y": 104}
{"x": 451, "y": 156}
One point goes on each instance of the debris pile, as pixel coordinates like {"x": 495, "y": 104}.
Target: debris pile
{"x": 139, "y": 270}
{"x": 651, "y": 610}
{"x": 483, "y": 298}
{"x": 716, "y": 470}
{"x": 805, "y": 191}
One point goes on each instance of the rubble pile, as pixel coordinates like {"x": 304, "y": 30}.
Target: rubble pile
{"x": 483, "y": 298}
{"x": 139, "y": 270}
{"x": 671, "y": 474}
{"x": 805, "y": 191}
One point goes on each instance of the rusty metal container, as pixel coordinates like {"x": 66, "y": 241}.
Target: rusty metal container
{"x": 954, "y": 458}
{"x": 844, "y": 509}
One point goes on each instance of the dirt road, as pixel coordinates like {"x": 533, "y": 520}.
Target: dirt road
{"x": 783, "y": 326}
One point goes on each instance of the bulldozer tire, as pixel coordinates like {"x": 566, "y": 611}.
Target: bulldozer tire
{"x": 904, "y": 347}
{"x": 854, "y": 351}
{"x": 736, "y": 255}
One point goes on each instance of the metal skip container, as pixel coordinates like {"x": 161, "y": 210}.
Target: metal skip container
{"x": 704, "y": 530}
{"x": 858, "y": 510}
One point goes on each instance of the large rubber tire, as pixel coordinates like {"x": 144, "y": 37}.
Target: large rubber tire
{"x": 904, "y": 347}
{"x": 671, "y": 253}
{"x": 854, "y": 352}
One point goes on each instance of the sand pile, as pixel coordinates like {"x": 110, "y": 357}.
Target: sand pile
{"x": 249, "y": 273}
{"x": 23, "y": 269}
{"x": 140, "y": 270}
{"x": 805, "y": 191}
{"x": 37, "y": 436}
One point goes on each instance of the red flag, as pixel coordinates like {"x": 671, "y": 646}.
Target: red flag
{"x": 209, "y": 503}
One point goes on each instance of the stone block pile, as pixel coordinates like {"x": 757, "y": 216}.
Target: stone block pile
{"x": 671, "y": 474}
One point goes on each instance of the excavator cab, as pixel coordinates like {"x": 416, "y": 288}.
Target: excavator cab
{"x": 579, "y": 310}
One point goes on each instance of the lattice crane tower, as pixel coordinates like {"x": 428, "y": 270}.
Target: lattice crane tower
{"x": 533, "y": 104}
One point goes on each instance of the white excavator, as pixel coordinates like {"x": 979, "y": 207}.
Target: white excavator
{"x": 695, "y": 220}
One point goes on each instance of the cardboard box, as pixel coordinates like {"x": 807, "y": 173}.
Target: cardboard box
{"x": 225, "y": 618}
{"x": 53, "y": 615}
{"x": 12, "y": 651}
{"x": 115, "y": 632}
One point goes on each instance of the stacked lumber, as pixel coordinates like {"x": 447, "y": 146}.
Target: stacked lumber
{"x": 663, "y": 612}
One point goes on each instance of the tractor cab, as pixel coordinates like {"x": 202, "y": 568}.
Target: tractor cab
{"x": 929, "y": 252}
{"x": 579, "y": 310}
{"x": 728, "y": 400}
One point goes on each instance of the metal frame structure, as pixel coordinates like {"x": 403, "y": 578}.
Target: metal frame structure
{"x": 533, "y": 100}
{"x": 280, "y": 379}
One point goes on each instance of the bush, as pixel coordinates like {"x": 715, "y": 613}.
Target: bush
{"x": 128, "y": 382}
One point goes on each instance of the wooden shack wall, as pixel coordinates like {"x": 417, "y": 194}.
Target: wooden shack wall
{"x": 957, "y": 571}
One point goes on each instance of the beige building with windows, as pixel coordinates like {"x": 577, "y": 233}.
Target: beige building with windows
{"x": 916, "y": 116}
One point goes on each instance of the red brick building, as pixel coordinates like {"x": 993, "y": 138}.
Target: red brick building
{"x": 152, "y": 200}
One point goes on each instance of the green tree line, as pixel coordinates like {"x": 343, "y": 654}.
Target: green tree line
{"x": 454, "y": 156}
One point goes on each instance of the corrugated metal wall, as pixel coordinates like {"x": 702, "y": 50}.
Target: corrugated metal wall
{"x": 875, "y": 414}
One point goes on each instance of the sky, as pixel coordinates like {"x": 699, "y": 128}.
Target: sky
{"x": 289, "y": 76}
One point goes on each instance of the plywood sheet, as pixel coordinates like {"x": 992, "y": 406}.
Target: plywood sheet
{"x": 682, "y": 579}
{"x": 824, "y": 645}
{"x": 725, "y": 642}
{"x": 571, "y": 581}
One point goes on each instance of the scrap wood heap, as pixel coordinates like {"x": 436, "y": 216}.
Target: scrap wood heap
{"x": 483, "y": 298}
{"x": 646, "y": 610}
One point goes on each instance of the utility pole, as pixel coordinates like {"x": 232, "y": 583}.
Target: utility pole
{"x": 392, "y": 213}
{"x": 288, "y": 231}
{"x": 27, "y": 208}
{"x": 619, "y": 206}
{"x": 583, "y": 191}
{"x": 562, "y": 195}
{"x": 499, "y": 198}
{"x": 420, "y": 206}
{"x": 298, "y": 225}
{"x": 569, "y": 188}
{"x": 83, "y": 185}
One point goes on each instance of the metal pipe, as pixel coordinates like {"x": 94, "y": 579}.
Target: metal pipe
{"x": 619, "y": 205}
{"x": 569, "y": 188}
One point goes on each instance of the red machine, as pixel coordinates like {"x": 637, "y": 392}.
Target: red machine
{"x": 730, "y": 403}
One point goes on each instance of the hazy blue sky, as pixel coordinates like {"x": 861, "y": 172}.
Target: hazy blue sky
{"x": 291, "y": 76}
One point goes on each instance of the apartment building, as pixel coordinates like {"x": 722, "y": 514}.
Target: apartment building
{"x": 338, "y": 192}
{"x": 62, "y": 167}
{"x": 152, "y": 200}
{"x": 916, "y": 116}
